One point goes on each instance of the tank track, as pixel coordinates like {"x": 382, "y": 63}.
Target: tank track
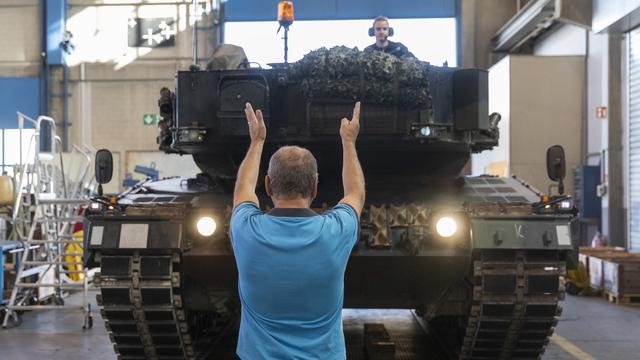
{"x": 515, "y": 305}
{"x": 142, "y": 305}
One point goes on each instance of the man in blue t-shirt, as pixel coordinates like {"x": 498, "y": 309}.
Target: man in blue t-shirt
{"x": 291, "y": 261}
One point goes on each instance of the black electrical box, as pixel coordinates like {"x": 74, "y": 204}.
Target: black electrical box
{"x": 471, "y": 99}
{"x": 586, "y": 178}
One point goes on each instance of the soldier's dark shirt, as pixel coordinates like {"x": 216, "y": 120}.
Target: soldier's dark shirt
{"x": 394, "y": 48}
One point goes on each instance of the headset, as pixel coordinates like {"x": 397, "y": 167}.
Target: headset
{"x": 372, "y": 31}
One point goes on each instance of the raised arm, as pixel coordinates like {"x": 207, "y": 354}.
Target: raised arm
{"x": 247, "y": 178}
{"x": 352, "y": 176}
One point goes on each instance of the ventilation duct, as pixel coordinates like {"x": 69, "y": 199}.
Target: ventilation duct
{"x": 540, "y": 16}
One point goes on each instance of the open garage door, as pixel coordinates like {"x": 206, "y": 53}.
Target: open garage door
{"x": 634, "y": 140}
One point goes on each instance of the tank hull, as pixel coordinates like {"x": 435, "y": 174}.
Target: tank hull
{"x": 495, "y": 285}
{"x": 368, "y": 283}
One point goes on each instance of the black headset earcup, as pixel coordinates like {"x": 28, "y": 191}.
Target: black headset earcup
{"x": 371, "y": 31}
{"x": 390, "y": 31}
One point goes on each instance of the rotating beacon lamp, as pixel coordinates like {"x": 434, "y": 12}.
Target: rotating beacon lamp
{"x": 285, "y": 19}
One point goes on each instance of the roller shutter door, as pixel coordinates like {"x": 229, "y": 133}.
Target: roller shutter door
{"x": 634, "y": 140}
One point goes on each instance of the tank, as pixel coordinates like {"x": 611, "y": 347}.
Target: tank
{"x": 480, "y": 259}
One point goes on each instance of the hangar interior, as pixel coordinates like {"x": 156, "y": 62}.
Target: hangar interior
{"x": 79, "y": 76}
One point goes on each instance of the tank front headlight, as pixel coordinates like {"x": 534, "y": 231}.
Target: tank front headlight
{"x": 206, "y": 226}
{"x": 425, "y": 131}
{"x": 446, "y": 226}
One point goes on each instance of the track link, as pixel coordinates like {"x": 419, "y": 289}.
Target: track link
{"x": 516, "y": 304}
{"x": 143, "y": 307}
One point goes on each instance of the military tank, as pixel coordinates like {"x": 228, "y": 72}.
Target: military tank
{"x": 479, "y": 259}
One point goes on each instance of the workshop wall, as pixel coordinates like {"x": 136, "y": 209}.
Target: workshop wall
{"x": 20, "y": 40}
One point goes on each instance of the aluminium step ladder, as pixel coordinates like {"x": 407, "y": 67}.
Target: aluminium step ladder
{"x": 52, "y": 252}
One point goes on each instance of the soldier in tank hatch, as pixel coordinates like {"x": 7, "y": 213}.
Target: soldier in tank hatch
{"x": 382, "y": 32}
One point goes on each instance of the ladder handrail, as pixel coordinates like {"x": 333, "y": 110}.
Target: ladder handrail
{"x": 18, "y": 201}
{"x": 64, "y": 181}
{"x": 23, "y": 167}
{"x": 85, "y": 169}
{"x": 56, "y": 201}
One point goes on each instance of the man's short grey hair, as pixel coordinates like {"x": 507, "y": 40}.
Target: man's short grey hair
{"x": 293, "y": 172}
{"x": 380, "y": 18}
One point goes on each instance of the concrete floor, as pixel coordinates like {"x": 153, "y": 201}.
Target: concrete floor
{"x": 590, "y": 328}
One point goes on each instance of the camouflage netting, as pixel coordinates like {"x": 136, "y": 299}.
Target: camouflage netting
{"x": 371, "y": 76}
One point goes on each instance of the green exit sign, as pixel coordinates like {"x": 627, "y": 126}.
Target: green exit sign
{"x": 150, "y": 119}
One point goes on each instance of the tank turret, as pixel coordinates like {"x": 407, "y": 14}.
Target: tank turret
{"x": 435, "y": 116}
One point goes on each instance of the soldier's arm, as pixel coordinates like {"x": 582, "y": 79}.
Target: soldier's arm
{"x": 245, "y": 189}
{"x": 352, "y": 175}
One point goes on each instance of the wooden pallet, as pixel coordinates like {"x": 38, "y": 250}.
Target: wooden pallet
{"x": 621, "y": 275}
{"x": 628, "y": 299}
{"x": 595, "y": 274}
{"x": 594, "y": 260}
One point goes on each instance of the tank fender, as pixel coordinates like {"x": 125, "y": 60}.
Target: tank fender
{"x": 521, "y": 233}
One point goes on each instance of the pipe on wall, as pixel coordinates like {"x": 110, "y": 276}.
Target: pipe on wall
{"x": 45, "y": 99}
{"x": 65, "y": 115}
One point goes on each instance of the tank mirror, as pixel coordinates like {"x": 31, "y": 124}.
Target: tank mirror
{"x": 104, "y": 166}
{"x": 556, "y": 165}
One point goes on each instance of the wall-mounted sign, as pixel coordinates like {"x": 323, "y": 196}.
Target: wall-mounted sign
{"x": 157, "y": 32}
{"x": 601, "y": 112}
{"x": 150, "y": 119}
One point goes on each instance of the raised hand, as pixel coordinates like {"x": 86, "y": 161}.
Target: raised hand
{"x": 257, "y": 128}
{"x": 349, "y": 129}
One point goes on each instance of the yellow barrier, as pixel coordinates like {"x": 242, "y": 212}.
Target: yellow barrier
{"x": 75, "y": 248}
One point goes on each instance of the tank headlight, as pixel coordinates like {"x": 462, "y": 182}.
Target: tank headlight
{"x": 206, "y": 226}
{"x": 425, "y": 131}
{"x": 446, "y": 226}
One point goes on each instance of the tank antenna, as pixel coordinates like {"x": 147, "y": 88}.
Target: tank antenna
{"x": 195, "y": 65}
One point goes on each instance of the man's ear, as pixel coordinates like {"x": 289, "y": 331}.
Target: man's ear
{"x": 314, "y": 191}
{"x": 267, "y": 185}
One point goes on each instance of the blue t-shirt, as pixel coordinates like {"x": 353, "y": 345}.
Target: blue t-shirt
{"x": 291, "y": 265}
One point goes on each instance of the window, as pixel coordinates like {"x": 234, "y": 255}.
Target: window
{"x": 15, "y": 147}
{"x": 432, "y": 40}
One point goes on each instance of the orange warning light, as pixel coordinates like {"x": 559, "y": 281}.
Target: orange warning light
{"x": 285, "y": 13}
